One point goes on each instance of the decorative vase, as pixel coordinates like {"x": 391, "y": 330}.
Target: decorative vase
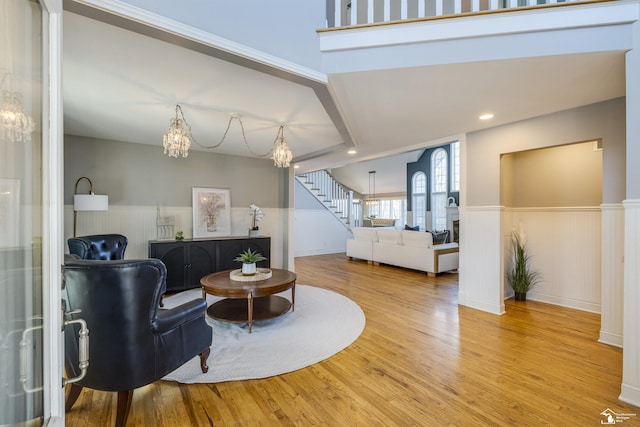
{"x": 249, "y": 269}
{"x": 254, "y": 233}
{"x": 521, "y": 296}
{"x": 211, "y": 223}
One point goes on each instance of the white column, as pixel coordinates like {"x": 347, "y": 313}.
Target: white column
{"x": 612, "y": 275}
{"x": 481, "y": 278}
{"x": 631, "y": 341}
{"x": 630, "y": 392}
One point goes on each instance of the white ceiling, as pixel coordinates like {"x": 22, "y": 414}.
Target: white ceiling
{"x": 121, "y": 85}
{"x": 124, "y": 86}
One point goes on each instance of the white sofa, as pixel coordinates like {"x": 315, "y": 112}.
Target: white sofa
{"x": 361, "y": 246}
{"x": 402, "y": 248}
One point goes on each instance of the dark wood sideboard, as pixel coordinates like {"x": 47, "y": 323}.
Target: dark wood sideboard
{"x": 189, "y": 260}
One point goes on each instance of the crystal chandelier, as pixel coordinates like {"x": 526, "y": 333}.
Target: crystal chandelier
{"x": 281, "y": 154}
{"x": 177, "y": 140}
{"x": 372, "y": 201}
{"x": 15, "y": 125}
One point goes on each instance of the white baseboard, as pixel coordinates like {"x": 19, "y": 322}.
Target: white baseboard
{"x": 610, "y": 339}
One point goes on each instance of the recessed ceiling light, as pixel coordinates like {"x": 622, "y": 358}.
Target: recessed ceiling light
{"x": 296, "y": 166}
{"x": 351, "y": 152}
{"x": 486, "y": 116}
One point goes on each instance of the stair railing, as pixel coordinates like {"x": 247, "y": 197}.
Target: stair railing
{"x": 336, "y": 197}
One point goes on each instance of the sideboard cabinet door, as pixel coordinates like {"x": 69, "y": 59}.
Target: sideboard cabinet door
{"x": 229, "y": 249}
{"x": 188, "y": 261}
{"x": 174, "y": 256}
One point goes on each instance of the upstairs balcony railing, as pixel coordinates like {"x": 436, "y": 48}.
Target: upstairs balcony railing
{"x": 346, "y": 13}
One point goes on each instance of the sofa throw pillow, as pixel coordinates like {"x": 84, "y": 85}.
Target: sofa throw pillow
{"x": 408, "y": 227}
{"x": 439, "y": 237}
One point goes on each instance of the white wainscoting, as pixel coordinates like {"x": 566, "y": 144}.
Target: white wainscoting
{"x": 481, "y": 269}
{"x": 565, "y": 245}
{"x": 612, "y": 297}
{"x": 138, "y": 223}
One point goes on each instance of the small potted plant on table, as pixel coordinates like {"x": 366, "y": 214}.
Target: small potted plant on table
{"x": 248, "y": 259}
{"x": 521, "y": 277}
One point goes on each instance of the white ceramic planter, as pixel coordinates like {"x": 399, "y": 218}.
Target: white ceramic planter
{"x": 249, "y": 269}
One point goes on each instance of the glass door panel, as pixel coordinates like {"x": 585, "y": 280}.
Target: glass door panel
{"x": 21, "y": 213}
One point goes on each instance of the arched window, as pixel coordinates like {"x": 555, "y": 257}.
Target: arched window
{"x": 439, "y": 183}
{"x": 419, "y": 199}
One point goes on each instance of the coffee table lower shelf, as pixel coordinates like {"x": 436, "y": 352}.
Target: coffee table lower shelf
{"x": 237, "y": 310}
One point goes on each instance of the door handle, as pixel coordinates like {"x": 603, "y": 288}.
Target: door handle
{"x": 83, "y": 347}
{"x": 25, "y": 359}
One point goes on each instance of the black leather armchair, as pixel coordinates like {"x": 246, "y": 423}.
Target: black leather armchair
{"x": 99, "y": 246}
{"x": 132, "y": 341}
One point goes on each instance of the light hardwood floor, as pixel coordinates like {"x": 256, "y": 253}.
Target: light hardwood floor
{"x": 421, "y": 360}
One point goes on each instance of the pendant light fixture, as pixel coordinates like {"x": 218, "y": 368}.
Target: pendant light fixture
{"x": 177, "y": 140}
{"x": 372, "y": 201}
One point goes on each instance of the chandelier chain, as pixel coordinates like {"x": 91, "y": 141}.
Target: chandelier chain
{"x": 178, "y": 139}
{"x": 224, "y": 136}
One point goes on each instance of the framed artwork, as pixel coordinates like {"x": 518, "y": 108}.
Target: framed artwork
{"x": 211, "y": 212}
{"x": 9, "y": 213}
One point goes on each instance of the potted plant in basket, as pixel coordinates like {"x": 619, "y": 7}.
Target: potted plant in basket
{"x": 248, "y": 259}
{"x": 521, "y": 277}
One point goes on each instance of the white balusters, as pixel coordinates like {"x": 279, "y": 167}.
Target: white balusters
{"x": 387, "y": 10}
{"x": 421, "y": 9}
{"x": 333, "y": 195}
{"x": 369, "y": 11}
{"x": 354, "y": 12}
{"x": 347, "y": 11}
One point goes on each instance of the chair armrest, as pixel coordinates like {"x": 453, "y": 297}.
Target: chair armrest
{"x": 170, "y": 319}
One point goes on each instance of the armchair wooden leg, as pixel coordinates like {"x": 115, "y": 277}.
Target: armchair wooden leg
{"x": 124, "y": 404}
{"x": 203, "y": 360}
{"x": 72, "y": 396}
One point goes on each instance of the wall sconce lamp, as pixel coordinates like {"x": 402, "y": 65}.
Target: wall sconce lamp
{"x": 87, "y": 202}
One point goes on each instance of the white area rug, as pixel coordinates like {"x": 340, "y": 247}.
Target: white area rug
{"x": 323, "y": 323}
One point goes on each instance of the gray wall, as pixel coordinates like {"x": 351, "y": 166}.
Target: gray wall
{"x": 569, "y": 175}
{"x": 141, "y": 175}
{"x": 604, "y": 120}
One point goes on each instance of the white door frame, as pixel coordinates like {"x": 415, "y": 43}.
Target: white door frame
{"x": 53, "y": 194}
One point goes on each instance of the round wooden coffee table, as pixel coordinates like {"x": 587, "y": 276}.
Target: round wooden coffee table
{"x": 249, "y": 301}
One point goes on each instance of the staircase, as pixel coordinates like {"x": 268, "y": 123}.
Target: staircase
{"x": 335, "y": 197}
